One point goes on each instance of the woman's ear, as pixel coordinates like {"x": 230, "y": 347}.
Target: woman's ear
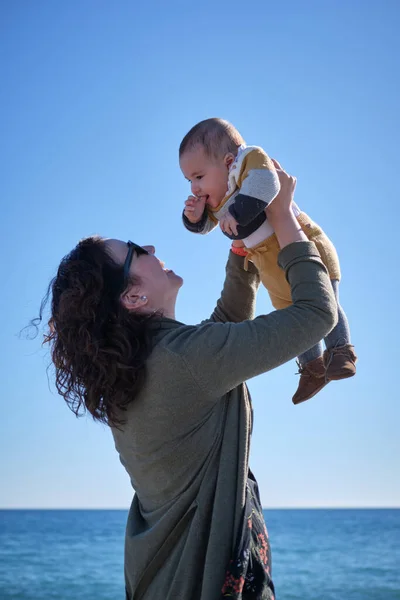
{"x": 228, "y": 159}
{"x": 133, "y": 300}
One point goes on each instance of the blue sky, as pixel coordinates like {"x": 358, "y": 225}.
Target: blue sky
{"x": 95, "y": 99}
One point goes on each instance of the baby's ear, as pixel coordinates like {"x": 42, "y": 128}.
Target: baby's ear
{"x": 228, "y": 159}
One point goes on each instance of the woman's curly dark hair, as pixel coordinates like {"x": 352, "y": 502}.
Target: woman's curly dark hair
{"x": 98, "y": 347}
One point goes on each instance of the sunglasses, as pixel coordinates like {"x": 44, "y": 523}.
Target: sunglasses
{"x": 132, "y": 248}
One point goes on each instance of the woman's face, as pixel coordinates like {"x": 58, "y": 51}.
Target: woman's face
{"x": 157, "y": 287}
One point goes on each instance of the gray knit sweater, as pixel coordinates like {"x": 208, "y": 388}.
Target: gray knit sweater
{"x": 185, "y": 444}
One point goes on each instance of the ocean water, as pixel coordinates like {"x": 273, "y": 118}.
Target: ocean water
{"x": 316, "y": 554}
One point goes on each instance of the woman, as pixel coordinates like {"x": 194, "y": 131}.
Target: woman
{"x": 175, "y": 398}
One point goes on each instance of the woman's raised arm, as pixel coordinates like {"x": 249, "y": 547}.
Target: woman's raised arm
{"x": 222, "y": 355}
{"x": 238, "y": 297}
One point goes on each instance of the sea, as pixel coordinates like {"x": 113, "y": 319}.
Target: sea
{"x": 338, "y": 554}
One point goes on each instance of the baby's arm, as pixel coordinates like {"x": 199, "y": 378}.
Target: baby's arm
{"x": 195, "y": 216}
{"x": 260, "y": 185}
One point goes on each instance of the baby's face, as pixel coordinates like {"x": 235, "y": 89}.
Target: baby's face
{"x": 208, "y": 176}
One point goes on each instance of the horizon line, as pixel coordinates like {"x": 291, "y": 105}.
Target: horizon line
{"x": 97, "y": 508}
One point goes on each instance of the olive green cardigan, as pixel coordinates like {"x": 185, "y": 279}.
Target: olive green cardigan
{"x": 185, "y": 444}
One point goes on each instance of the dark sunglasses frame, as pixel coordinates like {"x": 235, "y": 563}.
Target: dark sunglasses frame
{"x": 132, "y": 248}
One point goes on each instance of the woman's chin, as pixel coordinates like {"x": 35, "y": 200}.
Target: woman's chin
{"x": 177, "y": 278}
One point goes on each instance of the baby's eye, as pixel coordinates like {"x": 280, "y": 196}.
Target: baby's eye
{"x": 199, "y": 176}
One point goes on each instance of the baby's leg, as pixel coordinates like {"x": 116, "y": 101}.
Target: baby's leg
{"x": 311, "y": 354}
{"x": 340, "y": 334}
{"x": 340, "y": 358}
{"x": 311, "y": 364}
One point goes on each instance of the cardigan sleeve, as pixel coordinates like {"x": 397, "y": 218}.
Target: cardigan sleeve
{"x": 238, "y": 297}
{"x": 220, "y": 356}
{"x": 205, "y": 225}
{"x": 259, "y": 184}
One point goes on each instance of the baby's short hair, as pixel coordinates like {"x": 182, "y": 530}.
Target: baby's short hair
{"x": 216, "y": 136}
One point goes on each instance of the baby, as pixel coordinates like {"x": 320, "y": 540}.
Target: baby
{"x": 231, "y": 185}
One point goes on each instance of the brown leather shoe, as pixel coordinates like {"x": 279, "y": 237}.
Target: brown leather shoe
{"x": 312, "y": 380}
{"x": 340, "y": 362}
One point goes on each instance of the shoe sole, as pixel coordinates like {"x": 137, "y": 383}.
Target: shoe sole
{"x": 295, "y": 402}
{"x": 340, "y": 376}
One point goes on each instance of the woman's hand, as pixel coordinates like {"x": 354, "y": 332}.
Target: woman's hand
{"x": 282, "y": 203}
{"x": 238, "y": 244}
{"x": 280, "y": 214}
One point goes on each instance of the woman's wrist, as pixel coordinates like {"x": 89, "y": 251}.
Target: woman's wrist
{"x": 287, "y": 228}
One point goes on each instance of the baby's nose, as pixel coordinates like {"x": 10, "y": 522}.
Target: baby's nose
{"x": 195, "y": 188}
{"x": 150, "y": 249}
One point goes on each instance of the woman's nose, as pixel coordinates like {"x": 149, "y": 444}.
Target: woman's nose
{"x": 150, "y": 249}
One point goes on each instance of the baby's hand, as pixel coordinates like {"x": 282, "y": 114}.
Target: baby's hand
{"x": 228, "y": 224}
{"x": 194, "y": 208}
